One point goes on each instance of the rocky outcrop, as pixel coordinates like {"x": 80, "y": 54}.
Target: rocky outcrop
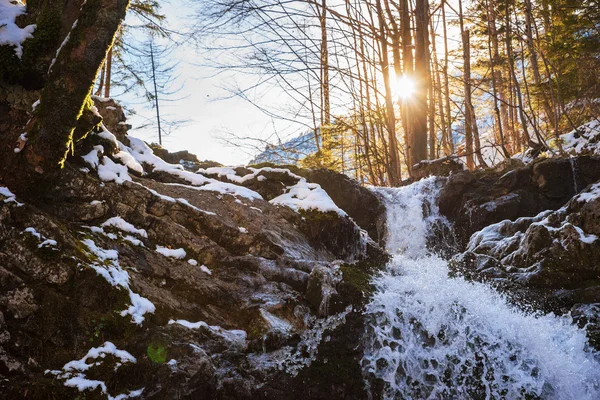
{"x": 362, "y": 205}
{"x": 474, "y": 200}
{"x": 555, "y": 251}
{"x": 135, "y": 277}
{"x": 439, "y": 167}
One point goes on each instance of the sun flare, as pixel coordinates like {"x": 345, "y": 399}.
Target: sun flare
{"x": 405, "y": 87}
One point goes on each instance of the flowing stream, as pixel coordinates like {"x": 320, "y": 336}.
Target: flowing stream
{"x": 436, "y": 337}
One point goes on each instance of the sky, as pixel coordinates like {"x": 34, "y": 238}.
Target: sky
{"x": 210, "y": 109}
{"x": 213, "y": 114}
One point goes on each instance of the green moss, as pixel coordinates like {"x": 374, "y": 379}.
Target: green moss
{"x": 157, "y": 353}
{"x": 358, "y": 277}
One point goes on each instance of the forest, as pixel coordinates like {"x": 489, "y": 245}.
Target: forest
{"x": 384, "y": 84}
{"x": 434, "y": 232}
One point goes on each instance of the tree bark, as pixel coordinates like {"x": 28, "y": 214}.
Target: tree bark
{"x": 394, "y": 167}
{"x": 107, "y": 79}
{"x": 419, "y": 142}
{"x": 408, "y": 71}
{"x": 62, "y": 100}
{"x": 326, "y": 120}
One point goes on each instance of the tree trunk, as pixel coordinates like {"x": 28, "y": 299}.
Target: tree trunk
{"x": 449, "y": 138}
{"x": 509, "y": 53}
{"x": 394, "y": 167}
{"x": 494, "y": 56}
{"x": 533, "y": 59}
{"x": 62, "y": 100}
{"x": 107, "y": 79}
{"x": 326, "y": 120}
{"x": 98, "y": 92}
{"x": 419, "y": 142}
{"x": 468, "y": 105}
{"x": 408, "y": 71}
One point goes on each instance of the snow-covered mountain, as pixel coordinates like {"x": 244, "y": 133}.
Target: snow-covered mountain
{"x": 288, "y": 153}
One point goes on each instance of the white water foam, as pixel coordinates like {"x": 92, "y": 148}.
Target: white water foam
{"x": 436, "y": 337}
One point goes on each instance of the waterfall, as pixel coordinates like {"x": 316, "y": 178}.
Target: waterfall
{"x": 430, "y": 336}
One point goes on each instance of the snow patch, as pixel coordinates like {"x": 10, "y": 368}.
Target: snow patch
{"x": 74, "y": 371}
{"x": 173, "y": 253}
{"x": 205, "y": 269}
{"x": 45, "y": 242}
{"x": 10, "y": 33}
{"x": 234, "y": 336}
{"x": 111, "y": 270}
{"x": 10, "y": 197}
{"x": 92, "y": 158}
{"x": 307, "y": 196}
{"x": 124, "y": 226}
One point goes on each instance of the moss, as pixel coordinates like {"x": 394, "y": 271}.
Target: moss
{"x": 157, "y": 352}
{"x": 358, "y": 278}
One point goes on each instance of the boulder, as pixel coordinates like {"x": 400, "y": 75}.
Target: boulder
{"x": 439, "y": 167}
{"x": 474, "y": 200}
{"x": 556, "y": 252}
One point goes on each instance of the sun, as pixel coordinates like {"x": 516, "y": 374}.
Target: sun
{"x": 405, "y": 87}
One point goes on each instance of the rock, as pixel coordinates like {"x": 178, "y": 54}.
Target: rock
{"x": 440, "y": 167}
{"x": 188, "y": 160}
{"x": 474, "y": 200}
{"x": 256, "y": 288}
{"x": 113, "y": 117}
{"x": 320, "y": 289}
{"x": 19, "y": 302}
{"x": 553, "y": 251}
{"x": 364, "y": 207}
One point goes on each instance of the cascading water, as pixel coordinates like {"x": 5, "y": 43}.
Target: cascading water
{"x": 436, "y": 337}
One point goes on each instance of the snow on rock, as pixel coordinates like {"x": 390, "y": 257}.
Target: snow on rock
{"x": 173, "y": 253}
{"x": 45, "y": 242}
{"x": 124, "y": 226}
{"x": 92, "y": 158}
{"x": 10, "y": 33}
{"x": 307, "y": 196}
{"x": 74, "y": 375}
{"x": 134, "y": 241}
{"x": 584, "y": 139}
{"x": 193, "y": 262}
{"x": 139, "y": 154}
{"x": 592, "y": 194}
{"x": 129, "y": 161}
{"x": 234, "y": 336}
{"x": 230, "y": 174}
{"x": 21, "y": 142}
{"x": 10, "y": 197}
{"x": 144, "y": 155}
{"x": 242, "y": 229}
{"x": 508, "y": 241}
{"x": 108, "y": 171}
{"x": 205, "y": 269}
{"x": 111, "y": 270}
{"x": 187, "y": 203}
